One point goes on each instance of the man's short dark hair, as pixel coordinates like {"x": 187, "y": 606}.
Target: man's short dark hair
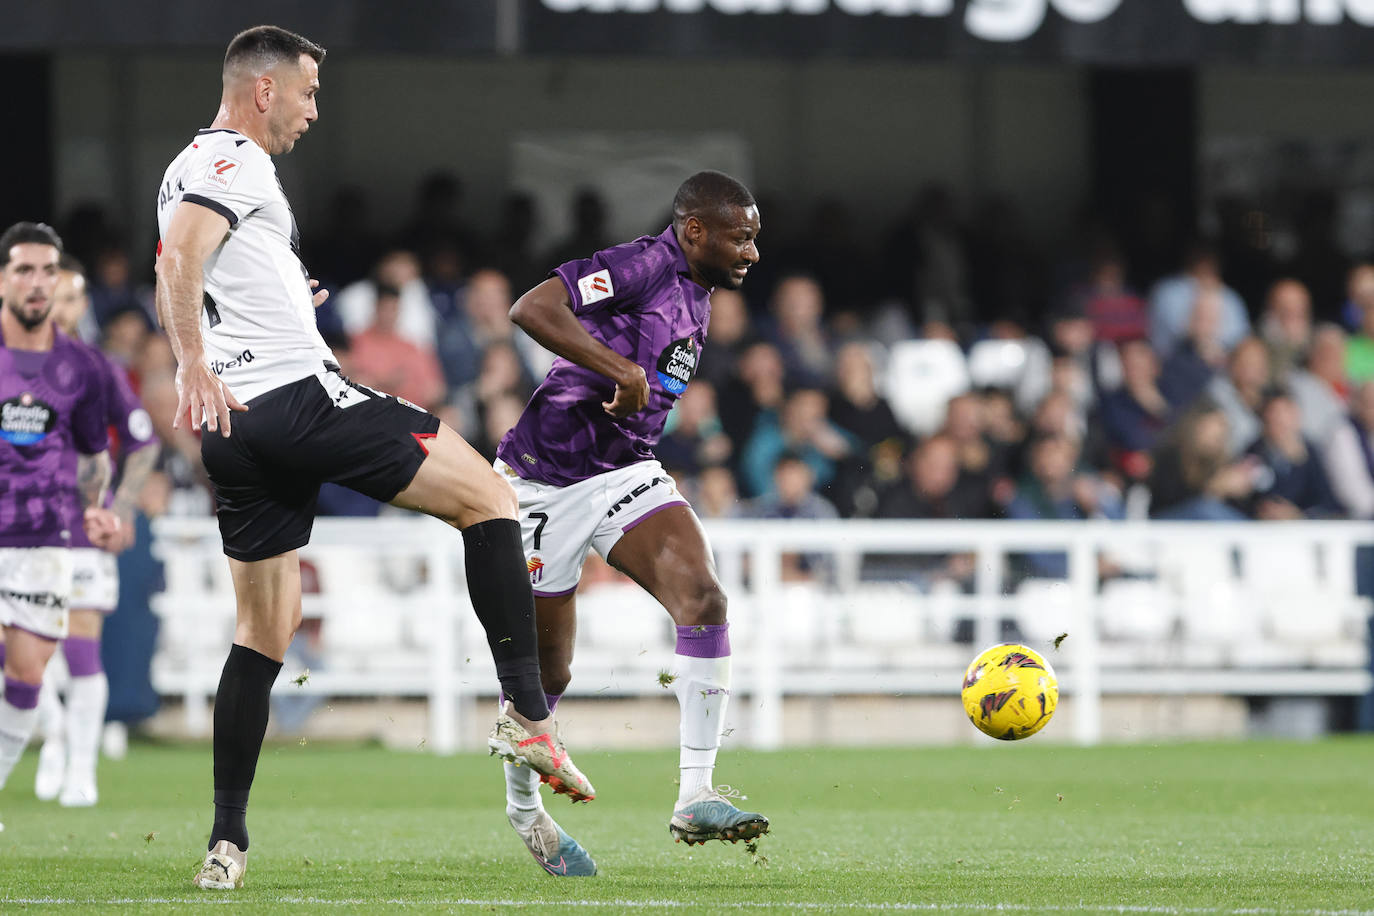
{"x": 263, "y": 47}
{"x": 709, "y": 194}
{"x": 28, "y": 234}
{"x": 70, "y": 264}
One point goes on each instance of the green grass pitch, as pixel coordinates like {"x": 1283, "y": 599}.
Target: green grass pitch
{"x": 1254, "y": 828}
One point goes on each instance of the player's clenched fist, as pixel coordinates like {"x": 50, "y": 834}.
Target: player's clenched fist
{"x": 631, "y": 393}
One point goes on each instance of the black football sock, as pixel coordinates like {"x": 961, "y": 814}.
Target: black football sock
{"x": 241, "y": 705}
{"x": 499, "y": 585}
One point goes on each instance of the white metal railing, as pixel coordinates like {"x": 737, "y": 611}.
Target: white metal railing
{"x": 1297, "y": 570}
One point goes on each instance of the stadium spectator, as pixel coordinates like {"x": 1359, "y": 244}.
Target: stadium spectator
{"x": 693, "y": 437}
{"x": 124, "y": 334}
{"x": 1134, "y": 416}
{"x": 1321, "y": 388}
{"x": 113, "y": 289}
{"x": 855, "y": 405}
{"x": 1192, "y": 478}
{"x": 1199, "y": 354}
{"x": 799, "y": 426}
{"x": 756, "y": 388}
{"x": 929, "y": 490}
{"x": 925, "y": 265}
{"x": 1115, "y": 311}
{"x": 1286, "y": 327}
{"x": 1359, "y": 351}
{"x": 1350, "y": 455}
{"x": 1054, "y": 490}
{"x": 793, "y": 496}
{"x": 400, "y": 269}
{"x": 982, "y": 468}
{"x": 716, "y": 495}
{"x": 1240, "y": 393}
{"x": 383, "y": 359}
{"x": 728, "y": 333}
{"x": 798, "y": 307}
{"x": 1291, "y": 482}
{"x": 1171, "y": 302}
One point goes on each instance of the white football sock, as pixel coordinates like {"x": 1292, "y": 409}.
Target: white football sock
{"x": 50, "y": 711}
{"x": 523, "y": 802}
{"x": 16, "y": 727}
{"x": 86, "y": 700}
{"x": 703, "y": 691}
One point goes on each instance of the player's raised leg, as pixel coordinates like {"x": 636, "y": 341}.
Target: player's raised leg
{"x": 455, "y": 484}
{"x": 667, "y": 554}
{"x": 556, "y": 852}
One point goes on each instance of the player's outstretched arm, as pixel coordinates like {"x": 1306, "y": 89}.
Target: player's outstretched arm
{"x": 192, "y": 235}
{"x": 545, "y": 313}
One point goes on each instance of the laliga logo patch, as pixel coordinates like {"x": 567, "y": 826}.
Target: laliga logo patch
{"x": 222, "y": 171}
{"x": 595, "y": 287}
{"x": 677, "y": 364}
{"x": 25, "y": 420}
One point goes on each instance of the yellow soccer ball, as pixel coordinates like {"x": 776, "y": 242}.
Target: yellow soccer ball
{"x": 1010, "y": 692}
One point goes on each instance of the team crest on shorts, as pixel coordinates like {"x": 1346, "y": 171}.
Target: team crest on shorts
{"x": 535, "y": 565}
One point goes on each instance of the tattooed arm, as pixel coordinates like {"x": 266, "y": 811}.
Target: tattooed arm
{"x": 92, "y": 478}
{"x": 137, "y": 467}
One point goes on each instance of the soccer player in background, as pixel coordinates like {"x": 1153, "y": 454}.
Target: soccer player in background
{"x": 67, "y": 763}
{"x": 628, "y": 325}
{"x": 237, "y": 305}
{"x": 55, "y": 469}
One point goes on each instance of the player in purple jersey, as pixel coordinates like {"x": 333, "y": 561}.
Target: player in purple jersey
{"x": 628, "y": 325}
{"x": 54, "y": 466}
{"x": 71, "y": 728}
{"x": 237, "y": 304}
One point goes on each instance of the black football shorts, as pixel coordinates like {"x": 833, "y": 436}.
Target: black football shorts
{"x": 267, "y": 474}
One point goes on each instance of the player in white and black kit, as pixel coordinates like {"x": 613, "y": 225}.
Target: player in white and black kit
{"x": 238, "y": 307}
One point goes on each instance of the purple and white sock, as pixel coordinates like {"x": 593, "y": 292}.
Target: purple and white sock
{"x": 702, "y": 666}
{"x": 87, "y": 696}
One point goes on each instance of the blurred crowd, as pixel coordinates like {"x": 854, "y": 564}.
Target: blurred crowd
{"x": 949, "y": 366}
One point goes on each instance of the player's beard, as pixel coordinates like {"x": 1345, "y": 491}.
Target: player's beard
{"x": 718, "y": 278}
{"x": 31, "y": 320}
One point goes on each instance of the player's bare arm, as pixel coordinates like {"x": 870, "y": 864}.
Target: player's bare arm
{"x": 192, "y": 236}
{"x": 92, "y": 480}
{"x": 137, "y": 467}
{"x": 545, "y": 313}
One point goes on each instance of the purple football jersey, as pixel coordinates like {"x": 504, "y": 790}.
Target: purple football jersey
{"x": 52, "y": 407}
{"x": 638, "y": 299}
{"x": 124, "y": 413}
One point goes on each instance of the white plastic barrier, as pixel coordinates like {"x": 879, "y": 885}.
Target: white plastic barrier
{"x": 1240, "y": 609}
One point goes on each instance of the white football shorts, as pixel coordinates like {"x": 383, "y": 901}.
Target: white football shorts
{"x": 35, "y": 586}
{"x": 560, "y": 524}
{"x": 95, "y": 579}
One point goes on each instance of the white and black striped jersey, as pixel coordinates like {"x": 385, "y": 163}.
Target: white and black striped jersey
{"x": 258, "y": 320}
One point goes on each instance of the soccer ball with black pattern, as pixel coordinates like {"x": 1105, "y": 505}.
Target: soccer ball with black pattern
{"x": 1010, "y": 692}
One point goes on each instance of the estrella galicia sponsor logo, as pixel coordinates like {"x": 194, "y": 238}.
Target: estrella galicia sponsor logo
{"x": 221, "y": 366}
{"x": 677, "y": 364}
{"x": 25, "y": 420}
